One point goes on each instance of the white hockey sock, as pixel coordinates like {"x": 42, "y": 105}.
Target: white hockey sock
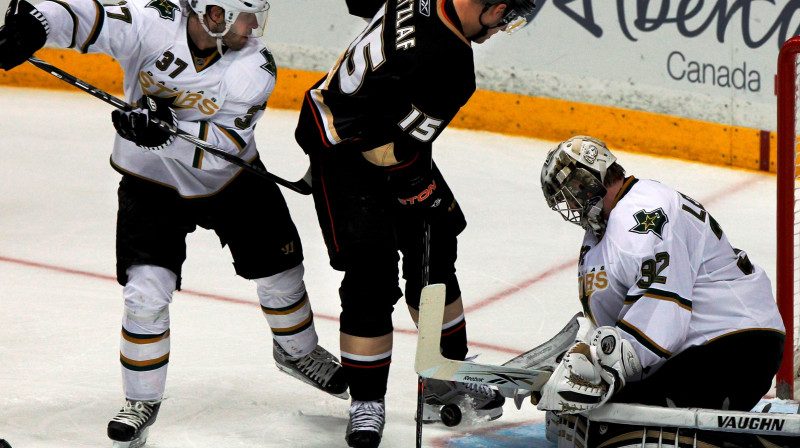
{"x": 286, "y": 307}
{"x": 144, "y": 341}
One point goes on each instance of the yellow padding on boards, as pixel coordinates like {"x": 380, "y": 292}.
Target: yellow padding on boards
{"x": 512, "y": 114}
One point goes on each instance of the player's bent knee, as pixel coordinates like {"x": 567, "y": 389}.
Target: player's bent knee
{"x": 414, "y": 291}
{"x": 366, "y": 316}
{"x": 286, "y": 286}
{"x": 147, "y": 296}
{"x": 369, "y": 292}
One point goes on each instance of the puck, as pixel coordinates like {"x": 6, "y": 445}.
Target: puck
{"x": 451, "y": 415}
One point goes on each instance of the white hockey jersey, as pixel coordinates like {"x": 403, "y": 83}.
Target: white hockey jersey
{"x": 218, "y": 98}
{"x": 666, "y": 276}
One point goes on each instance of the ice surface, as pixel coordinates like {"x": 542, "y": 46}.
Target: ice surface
{"x": 61, "y": 306}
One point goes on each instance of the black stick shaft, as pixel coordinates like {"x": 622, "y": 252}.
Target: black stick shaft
{"x": 300, "y": 186}
{"x": 426, "y": 255}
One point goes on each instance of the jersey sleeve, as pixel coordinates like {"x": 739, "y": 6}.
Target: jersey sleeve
{"x": 89, "y": 26}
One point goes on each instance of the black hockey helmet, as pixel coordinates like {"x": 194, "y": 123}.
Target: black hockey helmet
{"x": 518, "y": 14}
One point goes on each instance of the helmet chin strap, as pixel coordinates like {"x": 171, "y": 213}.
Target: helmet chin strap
{"x": 216, "y": 36}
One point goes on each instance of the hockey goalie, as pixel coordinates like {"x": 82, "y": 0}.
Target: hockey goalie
{"x": 681, "y": 336}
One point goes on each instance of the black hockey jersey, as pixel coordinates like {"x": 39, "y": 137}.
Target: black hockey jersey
{"x": 401, "y": 81}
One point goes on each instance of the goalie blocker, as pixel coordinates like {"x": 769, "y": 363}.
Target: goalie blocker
{"x": 637, "y": 426}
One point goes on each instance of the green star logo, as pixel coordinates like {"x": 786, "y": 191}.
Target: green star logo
{"x": 165, "y": 8}
{"x": 653, "y": 221}
{"x": 270, "y": 65}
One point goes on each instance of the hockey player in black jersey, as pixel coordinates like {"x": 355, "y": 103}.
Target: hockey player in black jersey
{"x": 368, "y": 128}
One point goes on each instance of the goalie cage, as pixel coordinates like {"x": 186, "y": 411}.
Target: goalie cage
{"x": 787, "y": 89}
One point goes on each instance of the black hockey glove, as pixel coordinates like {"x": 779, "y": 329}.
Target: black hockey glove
{"x": 421, "y": 190}
{"x": 23, "y": 34}
{"x": 137, "y": 127}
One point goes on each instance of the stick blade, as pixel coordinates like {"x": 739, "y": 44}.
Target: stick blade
{"x": 430, "y": 363}
{"x": 431, "y": 313}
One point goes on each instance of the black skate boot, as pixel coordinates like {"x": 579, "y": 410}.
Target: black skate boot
{"x": 365, "y": 428}
{"x": 445, "y": 398}
{"x": 129, "y": 428}
{"x": 318, "y": 368}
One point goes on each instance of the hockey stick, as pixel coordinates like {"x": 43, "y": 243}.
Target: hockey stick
{"x": 548, "y": 354}
{"x": 545, "y": 356}
{"x": 301, "y": 186}
{"x": 426, "y": 274}
{"x": 430, "y": 363}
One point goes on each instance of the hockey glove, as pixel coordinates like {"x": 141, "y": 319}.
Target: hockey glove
{"x": 136, "y": 126}
{"x": 590, "y": 373}
{"x": 421, "y": 190}
{"x": 23, "y": 34}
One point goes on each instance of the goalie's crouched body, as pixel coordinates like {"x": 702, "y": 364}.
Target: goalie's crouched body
{"x": 684, "y": 319}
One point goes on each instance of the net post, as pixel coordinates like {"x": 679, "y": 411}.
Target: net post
{"x": 786, "y": 91}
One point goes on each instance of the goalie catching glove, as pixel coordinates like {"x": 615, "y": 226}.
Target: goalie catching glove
{"x": 23, "y": 34}
{"x": 590, "y": 373}
{"x": 135, "y": 125}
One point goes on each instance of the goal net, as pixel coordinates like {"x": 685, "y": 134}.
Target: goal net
{"x": 787, "y": 89}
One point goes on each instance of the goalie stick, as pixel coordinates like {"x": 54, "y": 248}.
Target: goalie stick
{"x": 302, "y": 186}
{"x": 430, "y": 363}
{"x": 545, "y": 356}
{"x": 548, "y": 354}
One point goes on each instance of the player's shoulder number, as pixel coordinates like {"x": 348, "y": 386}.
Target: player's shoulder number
{"x": 166, "y": 9}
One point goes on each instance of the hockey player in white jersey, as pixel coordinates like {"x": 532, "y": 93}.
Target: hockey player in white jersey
{"x": 684, "y": 319}
{"x": 201, "y": 67}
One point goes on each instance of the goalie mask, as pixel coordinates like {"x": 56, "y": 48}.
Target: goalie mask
{"x": 572, "y": 181}
{"x": 256, "y": 11}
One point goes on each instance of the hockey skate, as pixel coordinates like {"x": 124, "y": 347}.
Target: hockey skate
{"x": 318, "y": 368}
{"x": 130, "y": 427}
{"x": 447, "y": 401}
{"x": 365, "y": 428}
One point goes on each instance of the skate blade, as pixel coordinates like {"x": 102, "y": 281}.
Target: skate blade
{"x": 344, "y": 395}
{"x": 433, "y": 413}
{"x": 135, "y": 443}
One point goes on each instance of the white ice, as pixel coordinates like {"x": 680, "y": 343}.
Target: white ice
{"x": 61, "y": 306}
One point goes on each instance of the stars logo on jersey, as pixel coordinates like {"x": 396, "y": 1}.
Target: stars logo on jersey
{"x": 270, "y": 65}
{"x": 650, "y": 222}
{"x": 165, "y": 8}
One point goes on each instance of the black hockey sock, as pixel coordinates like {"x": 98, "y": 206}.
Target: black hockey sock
{"x": 454, "y": 339}
{"x": 367, "y": 377}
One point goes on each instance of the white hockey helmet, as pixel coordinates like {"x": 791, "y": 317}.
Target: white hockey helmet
{"x": 232, "y": 9}
{"x": 572, "y": 181}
